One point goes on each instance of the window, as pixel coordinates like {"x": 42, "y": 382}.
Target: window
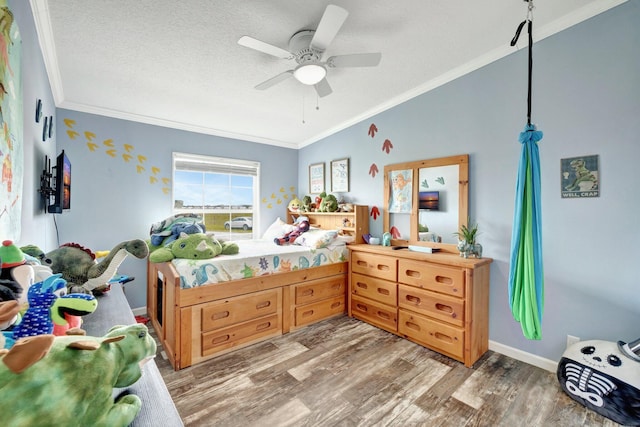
{"x": 223, "y": 191}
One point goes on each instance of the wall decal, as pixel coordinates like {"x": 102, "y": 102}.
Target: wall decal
{"x": 38, "y": 110}
{"x": 45, "y": 129}
{"x": 373, "y": 170}
{"x": 387, "y": 146}
{"x": 50, "y": 126}
{"x": 125, "y": 152}
{"x": 372, "y": 130}
{"x": 375, "y": 212}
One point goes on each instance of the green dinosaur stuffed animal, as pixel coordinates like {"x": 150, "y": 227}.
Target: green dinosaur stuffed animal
{"x": 193, "y": 246}
{"x": 329, "y": 203}
{"x": 69, "y": 380}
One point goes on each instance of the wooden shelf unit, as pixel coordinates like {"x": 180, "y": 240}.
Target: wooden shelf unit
{"x": 357, "y": 221}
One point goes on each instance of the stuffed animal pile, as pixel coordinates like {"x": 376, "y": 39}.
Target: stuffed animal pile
{"x": 69, "y": 381}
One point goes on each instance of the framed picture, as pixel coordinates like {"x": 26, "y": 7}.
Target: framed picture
{"x": 401, "y": 192}
{"x": 316, "y": 178}
{"x": 340, "y": 176}
{"x": 580, "y": 177}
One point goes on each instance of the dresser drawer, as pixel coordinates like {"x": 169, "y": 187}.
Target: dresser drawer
{"x": 313, "y": 312}
{"x": 235, "y": 335}
{"x": 373, "y": 288}
{"x": 432, "y": 276}
{"x": 432, "y": 333}
{"x": 373, "y": 312}
{"x": 433, "y": 304}
{"x": 320, "y": 289}
{"x": 379, "y": 266}
{"x": 219, "y": 314}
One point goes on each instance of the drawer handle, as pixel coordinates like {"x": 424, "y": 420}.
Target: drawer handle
{"x": 361, "y": 285}
{"x": 362, "y": 263}
{"x": 413, "y": 273}
{"x": 220, "y": 315}
{"x": 412, "y": 325}
{"x": 383, "y": 291}
{"x": 362, "y": 307}
{"x": 336, "y": 304}
{"x": 307, "y": 313}
{"x": 442, "y": 337}
{"x": 220, "y": 339}
{"x": 444, "y": 280}
{"x": 445, "y": 308}
{"x": 383, "y": 315}
{"x": 413, "y": 299}
{"x": 306, "y": 292}
{"x": 382, "y": 267}
{"x": 262, "y": 305}
{"x": 263, "y": 326}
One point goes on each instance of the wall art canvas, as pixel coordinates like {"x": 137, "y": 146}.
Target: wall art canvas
{"x": 11, "y": 129}
{"x": 316, "y": 178}
{"x": 580, "y": 177}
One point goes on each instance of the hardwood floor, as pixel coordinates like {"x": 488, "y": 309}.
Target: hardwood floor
{"x": 344, "y": 372}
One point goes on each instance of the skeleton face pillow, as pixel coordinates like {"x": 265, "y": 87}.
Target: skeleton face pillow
{"x": 602, "y": 377}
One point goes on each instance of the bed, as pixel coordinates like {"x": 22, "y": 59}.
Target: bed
{"x": 203, "y": 309}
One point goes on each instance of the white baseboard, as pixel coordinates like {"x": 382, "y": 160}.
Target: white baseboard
{"x": 523, "y": 356}
{"x": 140, "y": 311}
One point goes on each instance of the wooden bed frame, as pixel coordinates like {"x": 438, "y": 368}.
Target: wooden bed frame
{"x": 197, "y": 324}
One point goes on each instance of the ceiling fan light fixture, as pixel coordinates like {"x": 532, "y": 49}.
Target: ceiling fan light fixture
{"x": 310, "y": 74}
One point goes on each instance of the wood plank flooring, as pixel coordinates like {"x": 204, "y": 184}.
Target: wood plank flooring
{"x": 344, "y": 372}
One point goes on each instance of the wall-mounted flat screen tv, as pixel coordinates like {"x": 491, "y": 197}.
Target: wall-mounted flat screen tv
{"x": 62, "y": 194}
{"x": 429, "y": 200}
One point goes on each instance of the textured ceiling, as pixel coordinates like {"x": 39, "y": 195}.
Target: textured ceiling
{"x": 178, "y": 64}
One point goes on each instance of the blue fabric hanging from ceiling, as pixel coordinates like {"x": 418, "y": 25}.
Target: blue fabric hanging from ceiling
{"x": 526, "y": 278}
{"x": 526, "y": 275}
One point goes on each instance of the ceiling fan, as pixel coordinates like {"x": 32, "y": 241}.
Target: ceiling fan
{"x": 307, "y": 47}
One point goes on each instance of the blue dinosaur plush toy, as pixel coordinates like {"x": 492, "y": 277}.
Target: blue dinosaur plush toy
{"x": 47, "y": 302}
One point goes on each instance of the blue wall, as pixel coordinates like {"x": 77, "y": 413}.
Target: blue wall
{"x": 586, "y": 100}
{"x": 117, "y": 195}
{"x": 37, "y": 228}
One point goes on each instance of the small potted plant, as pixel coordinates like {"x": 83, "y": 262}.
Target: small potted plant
{"x": 467, "y": 244}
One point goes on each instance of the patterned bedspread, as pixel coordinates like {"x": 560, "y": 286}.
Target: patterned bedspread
{"x": 256, "y": 258}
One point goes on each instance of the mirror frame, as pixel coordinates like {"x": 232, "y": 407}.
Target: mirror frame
{"x": 462, "y": 160}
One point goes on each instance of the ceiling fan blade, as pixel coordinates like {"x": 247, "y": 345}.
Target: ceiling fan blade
{"x": 275, "y": 80}
{"x": 355, "y": 60}
{"x": 263, "y": 47}
{"x": 329, "y": 25}
{"x": 323, "y": 88}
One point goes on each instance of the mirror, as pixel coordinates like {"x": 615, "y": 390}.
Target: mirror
{"x": 426, "y": 201}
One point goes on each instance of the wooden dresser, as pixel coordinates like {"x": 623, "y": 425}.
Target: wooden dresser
{"x": 439, "y": 300}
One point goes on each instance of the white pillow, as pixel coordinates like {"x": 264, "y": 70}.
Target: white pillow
{"x": 277, "y": 230}
{"x": 316, "y": 239}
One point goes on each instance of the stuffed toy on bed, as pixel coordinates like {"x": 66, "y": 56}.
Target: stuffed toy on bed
{"x": 194, "y": 246}
{"x": 301, "y": 225}
{"x": 69, "y": 381}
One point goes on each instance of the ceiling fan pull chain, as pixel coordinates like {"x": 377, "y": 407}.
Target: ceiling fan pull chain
{"x": 303, "y": 122}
